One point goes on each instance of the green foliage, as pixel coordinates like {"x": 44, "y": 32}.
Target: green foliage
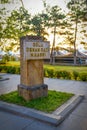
{"x": 64, "y": 74}
{"x": 4, "y": 1}
{"x": 46, "y": 104}
{"x": 12, "y": 58}
{"x": 49, "y": 73}
{"x": 13, "y": 63}
{"x": 78, "y": 10}
{"x": 53, "y": 16}
{"x": 83, "y": 76}
{"x": 3, "y": 17}
{"x": 38, "y": 26}
{"x": 5, "y": 58}
{"x": 10, "y": 69}
{"x": 57, "y": 74}
{"x": 76, "y": 7}
{"x": 75, "y": 75}
{"x": 18, "y": 23}
{"x": 13, "y": 27}
{"x": 61, "y": 72}
{"x": 2, "y": 62}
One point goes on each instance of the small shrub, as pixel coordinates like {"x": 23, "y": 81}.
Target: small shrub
{"x": 50, "y": 73}
{"x": 2, "y": 62}
{"x": 17, "y": 70}
{"x": 63, "y": 74}
{"x": 58, "y": 74}
{"x": 45, "y": 72}
{"x": 66, "y": 75}
{"x": 75, "y": 75}
{"x": 12, "y": 58}
{"x": 0, "y": 68}
{"x": 6, "y": 57}
{"x": 3, "y": 68}
{"x": 11, "y": 70}
{"x": 83, "y": 76}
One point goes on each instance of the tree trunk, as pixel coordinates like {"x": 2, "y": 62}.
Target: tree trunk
{"x": 22, "y": 3}
{"x": 75, "y": 55}
{"x": 52, "y": 56}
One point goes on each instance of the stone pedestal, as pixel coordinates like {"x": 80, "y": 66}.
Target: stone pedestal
{"x": 33, "y": 92}
{"x": 31, "y": 66}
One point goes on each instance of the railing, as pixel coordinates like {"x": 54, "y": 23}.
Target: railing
{"x": 67, "y": 60}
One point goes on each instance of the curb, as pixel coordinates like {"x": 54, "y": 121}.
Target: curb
{"x": 3, "y": 79}
{"x": 54, "y": 119}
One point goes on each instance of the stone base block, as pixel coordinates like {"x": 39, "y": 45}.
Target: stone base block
{"x": 29, "y": 93}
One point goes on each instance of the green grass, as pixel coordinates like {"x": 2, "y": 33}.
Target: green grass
{"x": 13, "y": 63}
{"x": 45, "y": 104}
{"x": 51, "y": 71}
{"x": 79, "y": 69}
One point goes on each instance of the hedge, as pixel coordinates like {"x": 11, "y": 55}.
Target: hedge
{"x": 10, "y": 69}
{"x": 74, "y": 75}
{"x": 50, "y": 73}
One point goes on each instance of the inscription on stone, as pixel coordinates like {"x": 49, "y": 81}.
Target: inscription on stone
{"x": 32, "y": 52}
{"x": 36, "y": 50}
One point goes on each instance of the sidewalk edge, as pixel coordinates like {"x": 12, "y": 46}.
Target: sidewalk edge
{"x": 54, "y": 118}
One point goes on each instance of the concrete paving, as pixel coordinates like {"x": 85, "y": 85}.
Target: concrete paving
{"x": 77, "y": 120}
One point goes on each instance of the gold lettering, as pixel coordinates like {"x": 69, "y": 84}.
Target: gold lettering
{"x": 31, "y": 54}
{"x": 37, "y": 44}
{"x": 27, "y": 49}
{"x": 37, "y": 54}
{"x": 44, "y": 49}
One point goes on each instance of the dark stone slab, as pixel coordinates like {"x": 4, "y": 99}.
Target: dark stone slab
{"x": 29, "y": 93}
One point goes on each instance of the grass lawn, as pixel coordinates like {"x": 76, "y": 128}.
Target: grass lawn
{"x": 79, "y": 69}
{"x": 45, "y": 104}
{"x": 51, "y": 71}
{"x": 13, "y": 63}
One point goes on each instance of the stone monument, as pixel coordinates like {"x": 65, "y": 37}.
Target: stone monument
{"x": 32, "y": 52}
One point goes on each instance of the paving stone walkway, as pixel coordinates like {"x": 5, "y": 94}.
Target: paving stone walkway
{"x": 77, "y": 120}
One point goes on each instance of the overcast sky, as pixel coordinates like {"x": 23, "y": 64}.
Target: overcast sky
{"x": 35, "y": 6}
